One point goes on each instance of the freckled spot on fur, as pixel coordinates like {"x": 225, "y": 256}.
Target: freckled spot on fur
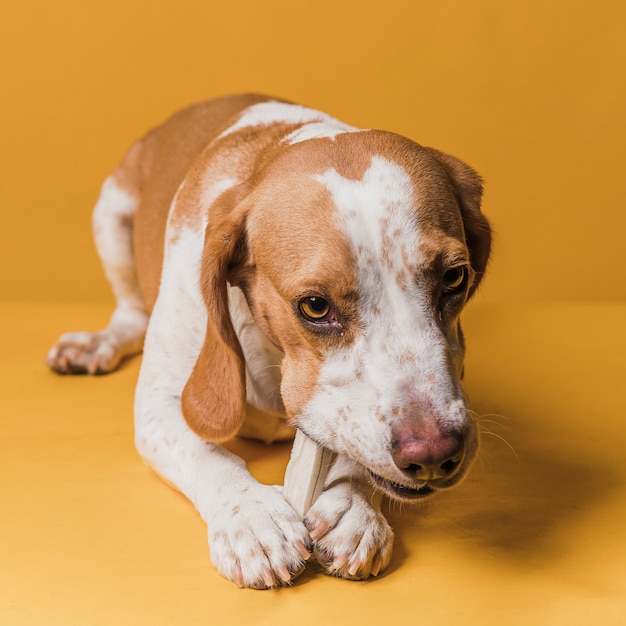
{"x": 386, "y": 257}
{"x": 235, "y": 511}
{"x": 380, "y": 414}
{"x": 339, "y": 381}
{"x": 125, "y": 221}
{"x": 402, "y": 280}
{"x": 407, "y": 358}
{"x": 219, "y": 537}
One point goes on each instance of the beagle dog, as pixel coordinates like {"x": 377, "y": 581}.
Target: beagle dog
{"x": 286, "y": 271}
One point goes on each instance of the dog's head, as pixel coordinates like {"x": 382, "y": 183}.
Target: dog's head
{"x": 356, "y": 255}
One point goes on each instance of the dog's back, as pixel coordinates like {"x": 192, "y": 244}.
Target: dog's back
{"x": 154, "y": 167}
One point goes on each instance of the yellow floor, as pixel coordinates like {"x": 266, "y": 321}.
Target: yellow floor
{"x": 536, "y": 535}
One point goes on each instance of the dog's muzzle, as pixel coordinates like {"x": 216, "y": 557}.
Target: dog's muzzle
{"x": 426, "y": 459}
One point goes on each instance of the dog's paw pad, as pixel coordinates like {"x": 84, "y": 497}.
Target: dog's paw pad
{"x": 84, "y": 353}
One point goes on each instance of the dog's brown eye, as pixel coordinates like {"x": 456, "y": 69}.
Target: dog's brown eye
{"x": 454, "y": 279}
{"x": 315, "y": 309}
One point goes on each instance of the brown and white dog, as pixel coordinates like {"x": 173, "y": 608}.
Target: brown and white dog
{"x": 274, "y": 256}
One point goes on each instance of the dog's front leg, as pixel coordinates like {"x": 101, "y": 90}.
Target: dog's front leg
{"x": 352, "y": 537}
{"x": 255, "y": 538}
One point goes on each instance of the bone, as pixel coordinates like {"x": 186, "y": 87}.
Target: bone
{"x": 306, "y": 473}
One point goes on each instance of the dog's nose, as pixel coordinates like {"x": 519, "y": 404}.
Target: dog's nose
{"x": 430, "y": 456}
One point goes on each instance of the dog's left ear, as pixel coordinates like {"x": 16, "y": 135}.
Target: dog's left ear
{"x": 214, "y": 398}
{"x": 469, "y": 190}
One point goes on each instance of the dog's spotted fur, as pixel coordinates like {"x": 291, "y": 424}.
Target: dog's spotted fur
{"x": 217, "y": 226}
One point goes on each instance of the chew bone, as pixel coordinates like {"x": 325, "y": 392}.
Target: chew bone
{"x": 306, "y": 473}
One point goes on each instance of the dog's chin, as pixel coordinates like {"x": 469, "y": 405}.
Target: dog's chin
{"x": 400, "y": 492}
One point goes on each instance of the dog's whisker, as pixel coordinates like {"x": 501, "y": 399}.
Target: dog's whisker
{"x": 480, "y": 416}
{"x": 496, "y": 418}
{"x": 480, "y": 459}
{"x": 503, "y": 440}
{"x": 502, "y": 426}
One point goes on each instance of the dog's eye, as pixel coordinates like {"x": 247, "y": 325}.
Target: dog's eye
{"x": 454, "y": 279}
{"x": 315, "y": 309}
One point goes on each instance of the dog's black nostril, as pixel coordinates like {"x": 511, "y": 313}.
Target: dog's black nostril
{"x": 448, "y": 466}
{"x": 428, "y": 471}
{"x": 413, "y": 470}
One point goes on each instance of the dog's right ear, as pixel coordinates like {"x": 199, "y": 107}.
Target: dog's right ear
{"x": 214, "y": 398}
{"x": 468, "y": 189}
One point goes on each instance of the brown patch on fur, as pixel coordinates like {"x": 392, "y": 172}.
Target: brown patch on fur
{"x": 154, "y": 167}
{"x": 213, "y": 400}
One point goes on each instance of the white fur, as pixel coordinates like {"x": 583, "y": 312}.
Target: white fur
{"x": 329, "y": 129}
{"x": 314, "y": 124}
{"x": 272, "y": 112}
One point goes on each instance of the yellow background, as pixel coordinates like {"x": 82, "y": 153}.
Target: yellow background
{"x": 533, "y": 95}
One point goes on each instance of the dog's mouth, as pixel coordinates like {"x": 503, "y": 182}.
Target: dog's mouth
{"x": 401, "y": 492}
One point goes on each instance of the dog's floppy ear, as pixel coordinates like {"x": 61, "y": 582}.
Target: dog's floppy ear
{"x": 214, "y": 398}
{"x": 469, "y": 190}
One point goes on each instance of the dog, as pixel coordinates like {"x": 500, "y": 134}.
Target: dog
{"x": 281, "y": 269}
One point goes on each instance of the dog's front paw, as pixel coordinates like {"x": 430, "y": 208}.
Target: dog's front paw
{"x": 257, "y": 540}
{"x": 84, "y": 353}
{"x": 352, "y": 539}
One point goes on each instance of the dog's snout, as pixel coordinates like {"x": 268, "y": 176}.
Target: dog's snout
{"x": 427, "y": 456}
